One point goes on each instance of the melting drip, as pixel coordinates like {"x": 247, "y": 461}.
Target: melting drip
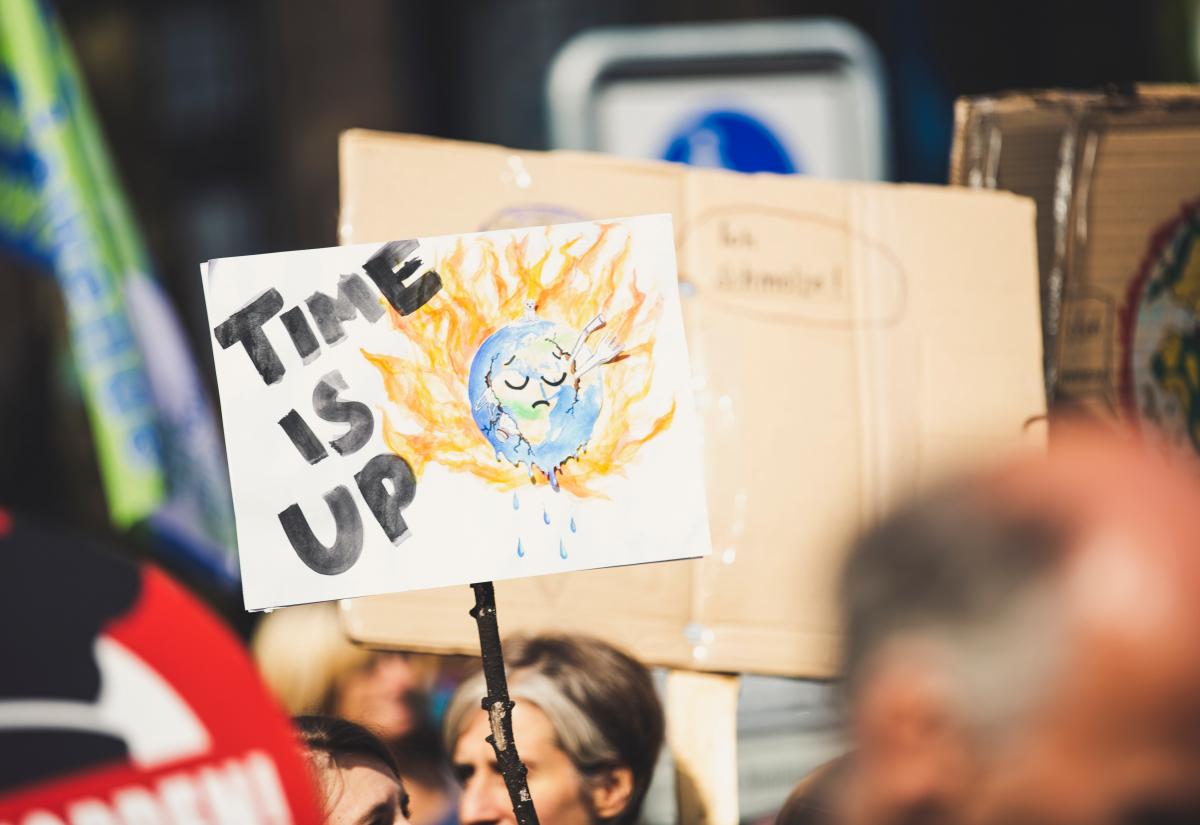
{"x": 545, "y": 515}
{"x": 520, "y": 550}
{"x": 516, "y": 502}
{"x": 562, "y": 549}
{"x": 572, "y": 524}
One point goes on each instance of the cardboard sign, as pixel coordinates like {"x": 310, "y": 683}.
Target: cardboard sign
{"x": 441, "y": 411}
{"x": 850, "y": 343}
{"x": 123, "y": 700}
{"x": 1116, "y": 176}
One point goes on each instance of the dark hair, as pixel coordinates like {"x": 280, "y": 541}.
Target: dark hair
{"x": 338, "y": 738}
{"x": 954, "y": 561}
{"x": 600, "y": 700}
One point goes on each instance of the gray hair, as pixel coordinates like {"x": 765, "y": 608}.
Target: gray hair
{"x": 600, "y": 701}
{"x": 576, "y": 735}
{"x": 971, "y": 579}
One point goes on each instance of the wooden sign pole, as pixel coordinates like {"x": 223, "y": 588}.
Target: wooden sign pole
{"x": 499, "y": 706}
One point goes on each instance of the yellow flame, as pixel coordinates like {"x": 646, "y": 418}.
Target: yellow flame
{"x": 428, "y": 387}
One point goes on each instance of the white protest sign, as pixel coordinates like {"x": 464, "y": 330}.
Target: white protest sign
{"x": 440, "y": 411}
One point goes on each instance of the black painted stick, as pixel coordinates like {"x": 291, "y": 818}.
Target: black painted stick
{"x": 499, "y": 706}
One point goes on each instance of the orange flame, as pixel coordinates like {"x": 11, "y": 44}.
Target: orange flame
{"x": 431, "y": 420}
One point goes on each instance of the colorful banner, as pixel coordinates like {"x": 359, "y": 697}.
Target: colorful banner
{"x": 125, "y": 701}
{"x": 158, "y": 448}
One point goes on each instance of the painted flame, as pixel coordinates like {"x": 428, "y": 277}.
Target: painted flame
{"x": 430, "y": 416}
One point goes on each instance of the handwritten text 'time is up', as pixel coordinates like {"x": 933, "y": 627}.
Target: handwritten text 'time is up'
{"x": 386, "y": 481}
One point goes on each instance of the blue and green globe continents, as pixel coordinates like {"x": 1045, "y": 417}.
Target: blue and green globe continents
{"x": 534, "y": 395}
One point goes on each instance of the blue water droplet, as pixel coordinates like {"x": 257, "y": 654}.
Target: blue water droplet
{"x": 516, "y": 502}
{"x": 562, "y": 549}
{"x": 572, "y": 524}
{"x": 545, "y": 515}
{"x": 520, "y": 550}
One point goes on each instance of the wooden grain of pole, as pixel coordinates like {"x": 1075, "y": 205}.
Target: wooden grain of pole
{"x": 499, "y": 707}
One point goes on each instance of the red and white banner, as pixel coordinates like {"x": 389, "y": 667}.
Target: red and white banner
{"x": 124, "y": 702}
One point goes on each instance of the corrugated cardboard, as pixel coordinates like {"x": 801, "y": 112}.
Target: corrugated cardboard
{"x": 849, "y": 342}
{"x": 1109, "y": 172}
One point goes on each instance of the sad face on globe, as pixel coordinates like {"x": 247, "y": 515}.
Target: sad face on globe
{"x": 535, "y": 391}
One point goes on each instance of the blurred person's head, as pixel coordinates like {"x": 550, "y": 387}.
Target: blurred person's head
{"x": 355, "y": 772}
{"x": 313, "y": 668}
{"x": 587, "y": 724}
{"x": 1023, "y": 646}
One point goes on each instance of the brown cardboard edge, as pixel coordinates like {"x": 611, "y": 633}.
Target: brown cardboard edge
{"x": 1140, "y": 98}
{"x": 1143, "y": 104}
{"x": 353, "y": 140}
{"x": 815, "y": 655}
{"x": 964, "y": 114}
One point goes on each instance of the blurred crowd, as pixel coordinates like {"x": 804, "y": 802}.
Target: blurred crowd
{"x": 1020, "y": 647}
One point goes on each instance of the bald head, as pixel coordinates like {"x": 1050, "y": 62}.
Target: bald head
{"x": 1019, "y": 636}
